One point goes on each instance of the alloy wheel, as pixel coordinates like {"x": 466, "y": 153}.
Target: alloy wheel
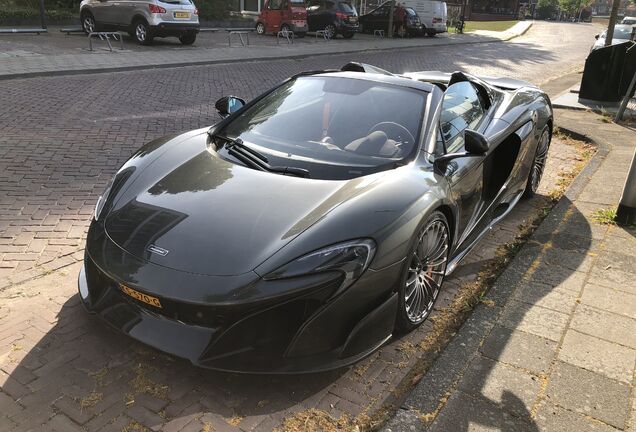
{"x": 539, "y": 160}
{"x": 330, "y": 31}
{"x": 141, "y": 32}
{"x": 260, "y": 28}
{"x": 89, "y": 24}
{"x": 426, "y": 271}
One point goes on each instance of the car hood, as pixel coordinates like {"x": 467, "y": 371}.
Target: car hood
{"x": 193, "y": 211}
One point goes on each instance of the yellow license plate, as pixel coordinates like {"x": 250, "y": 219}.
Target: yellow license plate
{"x": 181, "y": 15}
{"x": 152, "y": 301}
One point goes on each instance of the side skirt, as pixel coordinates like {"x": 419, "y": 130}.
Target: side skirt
{"x": 452, "y": 265}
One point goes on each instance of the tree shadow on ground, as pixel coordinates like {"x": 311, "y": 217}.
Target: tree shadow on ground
{"x": 500, "y": 387}
{"x": 100, "y": 378}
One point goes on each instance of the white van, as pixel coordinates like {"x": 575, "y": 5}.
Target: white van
{"x": 432, "y": 13}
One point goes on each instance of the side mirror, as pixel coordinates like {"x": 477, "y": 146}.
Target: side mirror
{"x": 596, "y": 36}
{"x": 475, "y": 143}
{"x": 228, "y": 105}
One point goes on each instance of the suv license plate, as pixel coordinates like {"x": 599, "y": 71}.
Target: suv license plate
{"x": 182, "y": 15}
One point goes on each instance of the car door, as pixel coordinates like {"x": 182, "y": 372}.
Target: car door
{"x": 313, "y": 9}
{"x": 462, "y": 109}
{"x": 101, "y": 11}
{"x": 274, "y": 16}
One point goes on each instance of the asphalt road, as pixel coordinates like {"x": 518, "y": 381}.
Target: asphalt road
{"x": 63, "y": 137}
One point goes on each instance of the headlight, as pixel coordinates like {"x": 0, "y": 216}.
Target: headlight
{"x": 102, "y": 199}
{"x": 350, "y": 258}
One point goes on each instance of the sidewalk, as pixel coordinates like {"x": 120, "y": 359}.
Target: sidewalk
{"x": 22, "y": 62}
{"x": 552, "y": 347}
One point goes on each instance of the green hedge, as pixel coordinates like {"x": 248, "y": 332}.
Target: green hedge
{"x": 28, "y": 15}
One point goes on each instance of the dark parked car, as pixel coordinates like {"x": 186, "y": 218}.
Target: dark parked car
{"x": 314, "y": 222}
{"x": 333, "y": 16}
{"x": 405, "y": 19}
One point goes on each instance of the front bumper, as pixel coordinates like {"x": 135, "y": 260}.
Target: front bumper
{"x": 288, "y": 327}
{"x": 346, "y": 27}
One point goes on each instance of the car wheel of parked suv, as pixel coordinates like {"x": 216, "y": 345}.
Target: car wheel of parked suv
{"x": 188, "y": 38}
{"x": 260, "y": 28}
{"x": 88, "y": 22}
{"x": 330, "y": 31}
{"x": 142, "y": 32}
{"x": 348, "y": 35}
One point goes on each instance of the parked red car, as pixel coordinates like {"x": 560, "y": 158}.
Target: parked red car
{"x": 278, "y": 15}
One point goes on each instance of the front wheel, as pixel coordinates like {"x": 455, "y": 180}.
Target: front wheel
{"x": 423, "y": 273}
{"x": 538, "y": 164}
{"x": 330, "y": 31}
{"x": 188, "y": 38}
{"x": 88, "y": 22}
{"x": 141, "y": 31}
{"x": 260, "y": 28}
{"x": 348, "y": 35}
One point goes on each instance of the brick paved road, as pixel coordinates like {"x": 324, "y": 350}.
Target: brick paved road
{"x": 63, "y": 138}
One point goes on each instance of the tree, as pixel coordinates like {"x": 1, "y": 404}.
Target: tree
{"x": 546, "y": 8}
{"x": 570, "y": 6}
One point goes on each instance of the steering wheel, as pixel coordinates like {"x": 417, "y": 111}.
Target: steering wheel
{"x": 396, "y": 132}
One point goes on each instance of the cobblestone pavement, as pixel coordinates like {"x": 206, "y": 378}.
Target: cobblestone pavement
{"x": 64, "y": 137}
{"x": 553, "y": 346}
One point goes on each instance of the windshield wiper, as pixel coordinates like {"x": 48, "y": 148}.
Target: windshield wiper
{"x": 252, "y": 158}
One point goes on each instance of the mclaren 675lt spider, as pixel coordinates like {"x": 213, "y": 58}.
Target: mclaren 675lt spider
{"x": 313, "y": 223}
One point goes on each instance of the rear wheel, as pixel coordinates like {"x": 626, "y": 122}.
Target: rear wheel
{"x": 88, "y": 22}
{"x": 260, "y": 28}
{"x": 538, "y": 165}
{"x": 141, "y": 32}
{"x": 348, "y": 35}
{"x": 424, "y": 271}
{"x": 285, "y": 28}
{"x": 188, "y": 38}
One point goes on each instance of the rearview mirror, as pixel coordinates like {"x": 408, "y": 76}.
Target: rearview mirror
{"x": 228, "y": 105}
{"x": 475, "y": 143}
{"x": 596, "y": 36}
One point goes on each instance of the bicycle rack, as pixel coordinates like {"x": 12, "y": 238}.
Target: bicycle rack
{"x": 286, "y": 34}
{"x": 106, "y": 36}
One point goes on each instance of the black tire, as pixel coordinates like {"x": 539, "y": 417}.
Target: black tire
{"x": 188, "y": 38}
{"x": 430, "y": 33}
{"x": 538, "y": 163}
{"x": 285, "y": 28}
{"x": 141, "y": 32}
{"x": 348, "y": 35}
{"x": 260, "y": 28}
{"x": 301, "y": 35}
{"x": 86, "y": 19}
{"x": 330, "y": 31}
{"x": 424, "y": 276}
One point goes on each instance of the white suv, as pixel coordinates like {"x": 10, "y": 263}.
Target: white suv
{"x": 143, "y": 19}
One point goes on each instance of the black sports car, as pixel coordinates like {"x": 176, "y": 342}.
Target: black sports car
{"x": 314, "y": 222}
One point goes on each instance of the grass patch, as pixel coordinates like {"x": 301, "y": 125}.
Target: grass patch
{"x": 316, "y": 420}
{"x": 605, "y": 216}
{"x": 471, "y": 26}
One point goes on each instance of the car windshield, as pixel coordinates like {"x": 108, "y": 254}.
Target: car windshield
{"x": 622, "y": 32}
{"x": 348, "y": 8}
{"x": 334, "y": 127}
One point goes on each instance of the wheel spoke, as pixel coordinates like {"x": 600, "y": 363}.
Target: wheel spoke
{"x": 426, "y": 270}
